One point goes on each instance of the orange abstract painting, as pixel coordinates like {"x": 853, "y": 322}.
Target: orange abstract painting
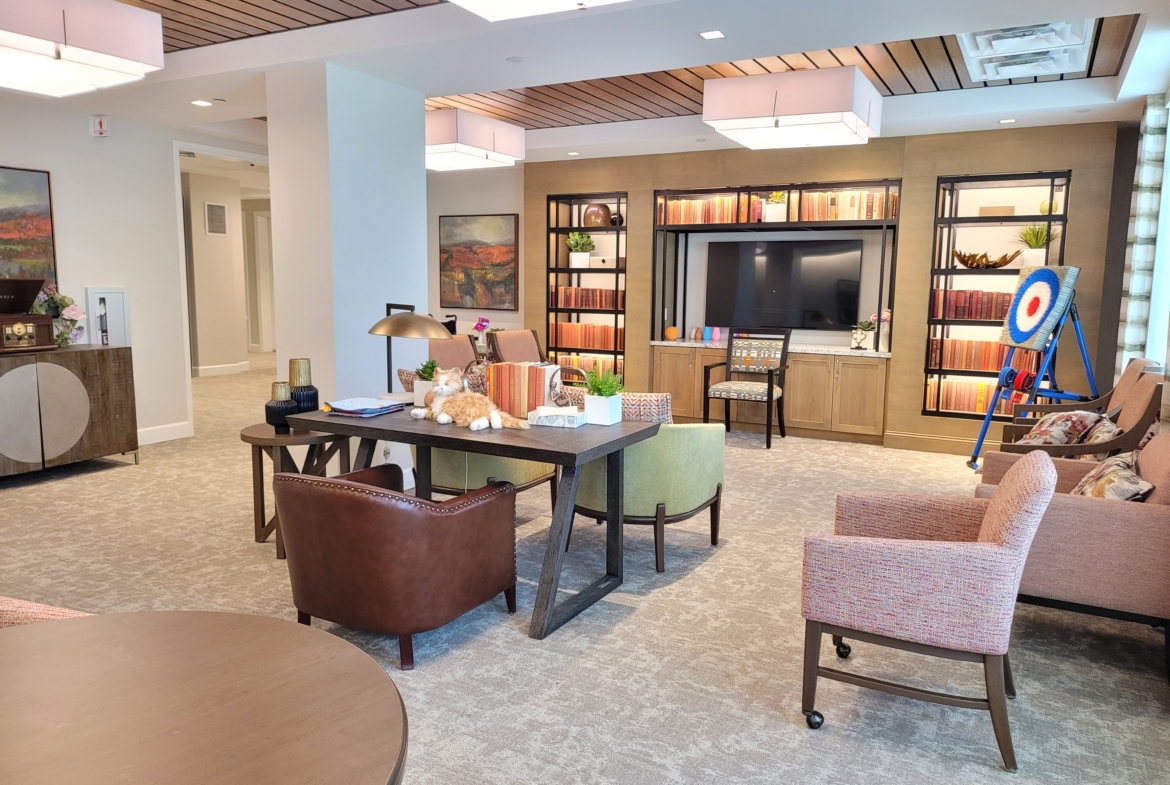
{"x": 26, "y": 225}
{"x": 477, "y": 261}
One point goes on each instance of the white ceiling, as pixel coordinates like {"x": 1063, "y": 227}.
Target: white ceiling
{"x": 443, "y": 49}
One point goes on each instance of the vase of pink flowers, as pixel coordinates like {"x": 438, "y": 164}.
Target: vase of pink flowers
{"x": 887, "y": 319}
{"x": 66, "y": 314}
{"x": 481, "y": 326}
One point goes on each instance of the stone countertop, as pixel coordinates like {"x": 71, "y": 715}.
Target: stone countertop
{"x": 795, "y": 348}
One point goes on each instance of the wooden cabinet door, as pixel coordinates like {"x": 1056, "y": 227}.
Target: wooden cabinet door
{"x": 87, "y": 404}
{"x": 859, "y": 395}
{"x": 808, "y": 391}
{"x": 674, "y": 373}
{"x": 710, "y": 357}
{"x": 20, "y": 417}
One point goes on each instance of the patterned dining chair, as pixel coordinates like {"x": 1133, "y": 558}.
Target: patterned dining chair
{"x": 762, "y": 351}
{"x": 934, "y": 575}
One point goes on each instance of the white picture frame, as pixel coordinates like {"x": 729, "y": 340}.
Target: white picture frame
{"x": 108, "y": 315}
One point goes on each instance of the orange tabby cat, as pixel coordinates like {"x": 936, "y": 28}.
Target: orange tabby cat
{"x": 448, "y": 402}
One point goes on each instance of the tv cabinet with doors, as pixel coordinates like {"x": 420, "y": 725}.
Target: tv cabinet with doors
{"x": 830, "y": 392}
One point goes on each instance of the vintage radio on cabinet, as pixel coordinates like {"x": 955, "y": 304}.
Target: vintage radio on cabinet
{"x": 21, "y": 331}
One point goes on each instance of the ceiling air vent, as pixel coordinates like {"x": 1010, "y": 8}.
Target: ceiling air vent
{"x": 216, "y": 217}
{"x": 1031, "y": 50}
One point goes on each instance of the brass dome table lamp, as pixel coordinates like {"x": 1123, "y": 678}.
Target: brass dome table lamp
{"x": 407, "y": 324}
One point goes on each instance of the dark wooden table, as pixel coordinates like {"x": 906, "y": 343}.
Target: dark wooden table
{"x": 570, "y": 448}
{"x": 192, "y": 697}
{"x": 266, "y": 441}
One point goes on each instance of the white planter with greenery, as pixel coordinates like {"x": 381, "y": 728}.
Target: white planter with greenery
{"x": 580, "y": 246}
{"x": 603, "y": 398}
{"x": 425, "y": 373}
{"x": 1036, "y": 240}
{"x": 776, "y": 208}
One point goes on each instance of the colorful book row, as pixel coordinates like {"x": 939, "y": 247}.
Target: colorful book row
{"x": 518, "y": 388}
{"x": 969, "y": 304}
{"x": 959, "y": 355}
{"x": 578, "y": 297}
{"x": 571, "y": 335}
{"x": 964, "y": 397}
{"x": 717, "y": 209}
{"x": 595, "y": 364}
{"x": 846, "y": 205}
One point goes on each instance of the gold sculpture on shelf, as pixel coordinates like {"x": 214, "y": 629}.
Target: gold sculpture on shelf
{"x": 982, "y": 261}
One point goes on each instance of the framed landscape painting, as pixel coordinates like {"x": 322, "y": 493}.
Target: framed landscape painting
{"x": 477, "y": 261}
{"x": 26, "y": 225}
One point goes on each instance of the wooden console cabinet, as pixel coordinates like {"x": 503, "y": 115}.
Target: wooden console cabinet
{"x": 66, "y": 405}
{"x": 839, "y": 393}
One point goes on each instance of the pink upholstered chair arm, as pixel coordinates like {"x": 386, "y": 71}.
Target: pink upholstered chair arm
{"x": 1101, "y": 552}
{"x": 957, "y": 595}
{"x": 14, "y": 612}
{"x": 1069, "y": 472}
{"x": 906, "y": 516}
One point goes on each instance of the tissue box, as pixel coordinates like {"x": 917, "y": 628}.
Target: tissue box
{"x": 559, "y": 417}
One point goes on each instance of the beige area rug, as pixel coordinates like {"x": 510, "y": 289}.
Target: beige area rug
{"x": 692, "y": 676}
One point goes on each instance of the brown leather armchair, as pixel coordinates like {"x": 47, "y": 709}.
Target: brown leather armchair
{"x": 364, "y": 555}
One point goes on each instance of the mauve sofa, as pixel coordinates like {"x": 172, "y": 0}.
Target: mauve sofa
{"x": 1110, "y": 558}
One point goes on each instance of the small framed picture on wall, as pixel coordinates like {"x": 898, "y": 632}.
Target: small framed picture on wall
{"x": 477, "y": 261}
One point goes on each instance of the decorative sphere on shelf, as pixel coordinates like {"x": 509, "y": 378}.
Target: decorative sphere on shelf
{"x": 596, "y": 215}
{"x": 671, "y": 333}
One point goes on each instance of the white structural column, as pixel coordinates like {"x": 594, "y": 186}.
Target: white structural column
{"x": 349, "y": 210}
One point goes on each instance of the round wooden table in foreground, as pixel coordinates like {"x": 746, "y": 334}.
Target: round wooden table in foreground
{"x": 193, "y": 697}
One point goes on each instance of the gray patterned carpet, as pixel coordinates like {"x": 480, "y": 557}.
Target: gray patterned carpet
{"x": 688, "y": 677}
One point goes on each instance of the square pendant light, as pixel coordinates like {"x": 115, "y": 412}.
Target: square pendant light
{"x": 1032, "y": 50}
{"x": 499, "y": 10}
{"x": 458, "y": 139}
{"x": 828, "y": 106}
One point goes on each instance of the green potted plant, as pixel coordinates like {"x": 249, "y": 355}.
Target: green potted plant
{"x": 862, "y": 336}
{"x": 580, "y": 245}
{"x": 426, "y": 378}
{"x": 1035, "y": 239}
{"x": 776, "y": 208}
{"x": 603, "y": 398}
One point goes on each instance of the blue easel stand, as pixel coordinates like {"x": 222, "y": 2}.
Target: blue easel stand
{"x": 1004, "y": 387}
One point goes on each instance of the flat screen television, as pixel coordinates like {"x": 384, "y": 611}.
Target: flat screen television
{"x": 802, "y": 284}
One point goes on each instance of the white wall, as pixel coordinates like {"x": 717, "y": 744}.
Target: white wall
{"x": 475, "y": 192}
{"x": 219, "y": 344}
{"x": 116, "y": 218}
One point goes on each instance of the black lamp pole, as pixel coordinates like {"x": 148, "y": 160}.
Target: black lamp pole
{"x": 390, "y": 309}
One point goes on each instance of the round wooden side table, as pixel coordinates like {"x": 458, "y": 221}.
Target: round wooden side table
{"x": 266, "y": 441}
{"x": 187, "y": 697}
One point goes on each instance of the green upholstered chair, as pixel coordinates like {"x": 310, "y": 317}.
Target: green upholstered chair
{"x": 455, "y": 472}
{"x": 668, "y": 478}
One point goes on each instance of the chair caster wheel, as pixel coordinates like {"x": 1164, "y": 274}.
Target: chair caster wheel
{"x": 843, "y": 650}
{"x": 814, "y": 719}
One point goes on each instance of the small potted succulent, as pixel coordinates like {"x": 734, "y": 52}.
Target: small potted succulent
{"x": 1035, "y": 239}
{"x": 862, "y": 335}
{"x": 776, "y": 208}
{"x": 579, "y": 247}
{"x": 603, "y": 398}
{"x": 422, "y": 384}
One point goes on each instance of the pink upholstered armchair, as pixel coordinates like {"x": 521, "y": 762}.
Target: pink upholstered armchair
{"x": 14, "y": 612}
{"x": 935, "y": 575}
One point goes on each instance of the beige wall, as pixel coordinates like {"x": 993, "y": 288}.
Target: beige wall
{"x": 1085, "y": 149}
{"x": 219, "y": 341}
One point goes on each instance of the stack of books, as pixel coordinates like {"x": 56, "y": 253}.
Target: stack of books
{"x": 571, "y": 335}
{"x": 969, "y": 304}
{"x": 966, "y": 397}
{"x": 715, "y": 209}
{"x": 596, "y": 364}
{"x": 959, "y": 355}
{"x": 577, "y": 297}
{"x": 518, "y": 388}
{"x": 846, "y": 205}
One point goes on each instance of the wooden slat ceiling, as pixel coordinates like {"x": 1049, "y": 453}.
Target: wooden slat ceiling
{"x": 191, "y": 23}
{"x": 921, "y": 65}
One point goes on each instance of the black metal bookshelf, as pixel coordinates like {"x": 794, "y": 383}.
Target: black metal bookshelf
{"x": 807, "y": 207}
{"x": 565, "y": 213}
{"x": 977, "y": 214}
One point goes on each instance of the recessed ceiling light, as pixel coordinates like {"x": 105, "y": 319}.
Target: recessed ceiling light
{"x": 1007, "y": 120}
{"x": 573, "y": 153}
{"x": 201, "y": 102}
{"x": 514, "y": 59}
{"x": 1084, "y": 111}
{"x": 711, "y": 35}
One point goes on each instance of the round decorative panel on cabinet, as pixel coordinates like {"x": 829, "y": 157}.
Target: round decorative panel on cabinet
{"x": 20, "y": 419}
{"x": 64, "y": 408}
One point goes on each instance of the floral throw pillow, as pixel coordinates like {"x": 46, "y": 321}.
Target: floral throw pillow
{"x": 1060, "y": 428}
{"x": 1115, "y": 479}
{"x": 1102, "y": 431}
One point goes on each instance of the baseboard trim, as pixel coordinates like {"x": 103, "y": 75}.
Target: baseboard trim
{"x": 801, "y": 433}
{"x": 165, "y": 433}
{"x": 926, "y": 442}
{"x": 221, "y": 370}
